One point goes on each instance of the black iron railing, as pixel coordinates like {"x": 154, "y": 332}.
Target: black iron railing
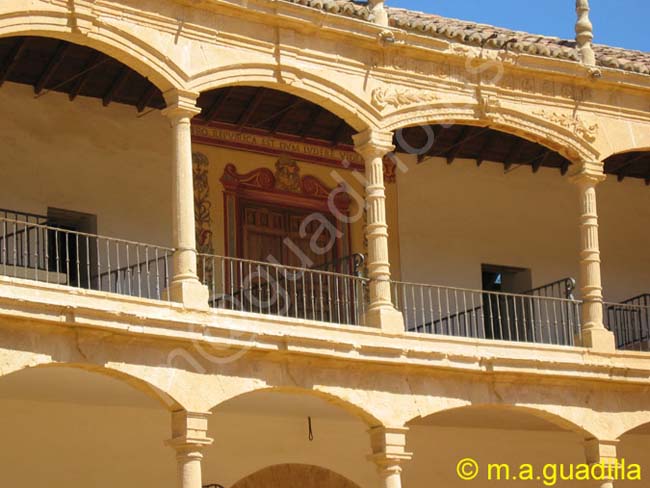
{"x": 531, "y": 317}
{"x": 34, "y": 251}
{"x": 286, "y": 291}
{"x": 630, "y": 322}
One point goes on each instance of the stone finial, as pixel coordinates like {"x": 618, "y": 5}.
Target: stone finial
{"x": 585, "y": 33}
{"x": 379, "y": 13}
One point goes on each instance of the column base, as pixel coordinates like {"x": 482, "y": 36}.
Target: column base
{"x": 190, "y": 293}
{"x": 388, "y": 319}
{"x": 599, "y": 339}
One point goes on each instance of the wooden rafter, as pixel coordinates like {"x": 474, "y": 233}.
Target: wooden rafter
{"x": 541, "y": 159}
{"x": 146, "y": 97}
{"x": 218, "y": 104}
{"x": 51, "y": 67}
{"x": 337, "y": 136}
{"x": 458, "y": 144}
{"x": 623, "y": 168}
{"x": 95, "y": 59}
{"x": 513, "y": 154}
{"x": 314, "y": 114}
{"x": 284, "y": 115}
{"x": 118, "y": 82}
{"x": 251, "y": 107}
{"x": 486, "y": 144}
{"x": 10, "y": 61}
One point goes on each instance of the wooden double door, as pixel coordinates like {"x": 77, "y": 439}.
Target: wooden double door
{"x": 291, "y": 237}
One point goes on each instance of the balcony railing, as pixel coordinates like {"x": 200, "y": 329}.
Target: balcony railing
{"x": 530, "y": 317}
{"x": 630, "y": 322}
{"x": 285, "y": 291}
{"x": 32, "y": 250}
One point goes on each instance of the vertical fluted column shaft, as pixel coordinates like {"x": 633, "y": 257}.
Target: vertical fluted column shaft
{"x": 373, "y": 146}
{"x": 594, "y": 334}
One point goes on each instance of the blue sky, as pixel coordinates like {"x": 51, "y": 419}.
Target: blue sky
{"x": 616, "y": 22}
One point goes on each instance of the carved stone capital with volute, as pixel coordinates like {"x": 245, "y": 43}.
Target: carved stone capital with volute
{"x": 180, "y": 104}
{"x": 373, "y": 143}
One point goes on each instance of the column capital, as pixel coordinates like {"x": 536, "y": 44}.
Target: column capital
{"x": 601, "y": 451}
{"x": 373, "y": 143}
{"x": 588, "y": 172}
{"x": 180, "y": 103}
{"x": 189, "y": 431}
{"x": 389, "y": 446}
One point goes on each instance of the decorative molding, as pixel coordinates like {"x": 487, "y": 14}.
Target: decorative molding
{"x": 487, "y": 106}
{"x": 285, "y": 187}
{"x": 383, "y": 97}
{"x": 574, "y": 123}
{"x": 202, "y": 203}
{"x": 260, "y": 142}
{"x": 287, "y": 175}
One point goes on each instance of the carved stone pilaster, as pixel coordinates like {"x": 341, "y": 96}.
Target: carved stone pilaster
{"x": 373, "y": 146}
{"x": 594, "y": 334}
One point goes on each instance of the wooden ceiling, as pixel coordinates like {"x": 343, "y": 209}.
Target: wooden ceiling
{"x": 52, "y": 65}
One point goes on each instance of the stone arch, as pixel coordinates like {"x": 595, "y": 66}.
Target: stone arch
{"x": 356, "y": 111}
{"x": 572, "y": 138}
{"x": 357, "y": 410}
{"x": 138, "y": 383}
{"x": 631, "y": 423}
{"x": 287, "y": 475}
{"x": 546, "y": 415}
{"x": 108, "y": 38}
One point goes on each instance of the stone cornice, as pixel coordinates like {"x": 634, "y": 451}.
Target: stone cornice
{"x": 156, "y": 320}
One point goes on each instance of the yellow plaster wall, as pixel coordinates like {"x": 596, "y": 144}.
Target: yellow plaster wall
{"x": 453, "y": 218}
{"x": 84, "y": 157}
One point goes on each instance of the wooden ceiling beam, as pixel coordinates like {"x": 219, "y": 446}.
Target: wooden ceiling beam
{"x": 315, "y": 112}
{"x": 283, "y": 115}
{"x": 253, "y": 105}
{"x": 51, "y": 67}
{"x": 118, "y": 82}
{"x": 486, "y": 144}
{"x": 218, "y": 103}
{"x": 565, "y": 167}
{"x": 457, "y": 146}
{"x": 541, "y": 159}
{"x": 94, "y": 60}
{"x": 11, "y": 59}
{"x": 337, "y": 136}
{"x": 514, "y": 153}
{"x": 433, "y": 151}
{"x": 146, "y": 97}
{"x": 623, "y": 168}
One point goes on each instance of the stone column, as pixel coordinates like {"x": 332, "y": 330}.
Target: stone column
{"x": 594, "y": 333}
{"x": 373, "y": 146}
{"x": 604, "y": 453}
{"x": 185, "y": 286}
{"x": 388, "y": 453}
{"x": 189, "y": 438}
